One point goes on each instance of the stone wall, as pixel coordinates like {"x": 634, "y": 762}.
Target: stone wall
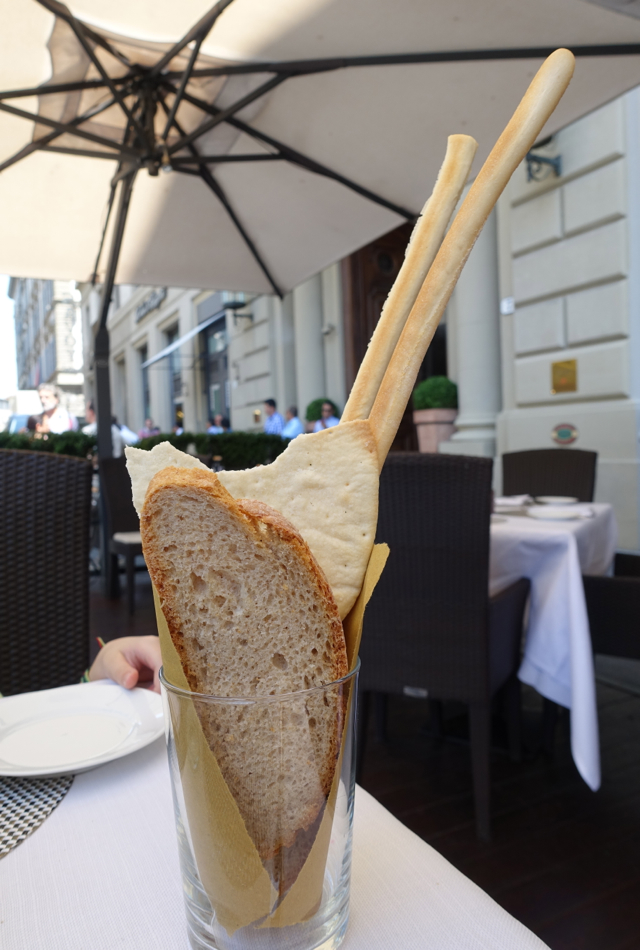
{"x": 568, "y": 249}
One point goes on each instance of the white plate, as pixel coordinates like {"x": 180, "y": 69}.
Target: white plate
{"x": 554, "y": 513}
{"x": 556, "y": 500}
{"x": 75, "y": 728}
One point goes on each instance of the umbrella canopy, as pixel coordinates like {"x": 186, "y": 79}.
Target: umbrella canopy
{"x": 281, "y": 165}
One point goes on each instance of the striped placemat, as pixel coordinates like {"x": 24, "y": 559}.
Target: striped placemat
{"x": 24, "y": 805}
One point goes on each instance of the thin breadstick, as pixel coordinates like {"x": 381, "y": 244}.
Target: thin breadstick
{"x": 539, "y": 101}
{"x": 422, "y": 248}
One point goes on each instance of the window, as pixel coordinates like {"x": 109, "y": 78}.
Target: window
{"x": 216, "y": 368}
{"x": 146, "y": 395}
{"x": 175, "y": 379}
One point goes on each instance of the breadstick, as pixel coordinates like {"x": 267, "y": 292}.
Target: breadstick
{"x": 539, "y": 101}
{"x": 421, "y": 250}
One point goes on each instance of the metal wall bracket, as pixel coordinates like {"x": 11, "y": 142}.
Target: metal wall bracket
{"x": 536, "y": 170}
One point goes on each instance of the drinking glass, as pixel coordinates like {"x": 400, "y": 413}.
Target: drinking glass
{"x": 263, "y": 790}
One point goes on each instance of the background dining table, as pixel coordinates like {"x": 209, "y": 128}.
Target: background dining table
{"x": 102, "y": 872}
{"x": 558, "y": 657}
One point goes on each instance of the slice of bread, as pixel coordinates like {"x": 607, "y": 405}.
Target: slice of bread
{"x": 251, "y": 615}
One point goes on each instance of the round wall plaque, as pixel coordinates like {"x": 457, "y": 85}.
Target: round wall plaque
{"x": 564, "y": 433}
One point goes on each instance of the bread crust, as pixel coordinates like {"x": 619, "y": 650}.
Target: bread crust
{"x": 288, "y": 751}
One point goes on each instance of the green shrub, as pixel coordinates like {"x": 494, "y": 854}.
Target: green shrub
{"x": 65, "y": 443}
{"x": 181, "y": 442}
{"x": 314, "y": 409}
{"x": 437, "y": 392}
{"x": 238, "y": 450}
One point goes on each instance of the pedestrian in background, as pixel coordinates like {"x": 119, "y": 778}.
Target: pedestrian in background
{"x": 328, "y": 419}
{"x": 54, "y": 417}
{"x": 293, "y": 426}
{"x": 91, "y": 428}
{"x": 148, "y": 429}
{"x": 274, "y": 423}
{"x": 215, "y": 427}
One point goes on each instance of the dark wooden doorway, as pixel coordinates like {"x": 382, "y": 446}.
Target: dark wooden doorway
{"x": 367, "y": 278}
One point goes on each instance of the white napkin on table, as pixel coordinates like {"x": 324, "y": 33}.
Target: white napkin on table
{"x": 512, "y": 501}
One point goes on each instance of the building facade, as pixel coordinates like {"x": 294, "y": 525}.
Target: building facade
{"x": 544, "y": 326}
{"x": 226, "y": 353}
{"x": 49, "y": 346}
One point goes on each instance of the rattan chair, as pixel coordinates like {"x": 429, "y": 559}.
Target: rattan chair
{"x": 123, "y": 524}
{"x": 431, "y": 629}
{"x": 44, "y": 570}
{"x": 550, "y": 472}
{"x": 613, "y": 606}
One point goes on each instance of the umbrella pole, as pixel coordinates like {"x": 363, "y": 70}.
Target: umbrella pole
{"x": 102, "y": 382}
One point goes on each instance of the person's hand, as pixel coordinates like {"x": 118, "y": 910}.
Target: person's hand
{"x": 129, "y": 661}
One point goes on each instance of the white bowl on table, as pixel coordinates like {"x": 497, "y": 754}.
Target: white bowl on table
{"x": 556, "y": 500}
{"x": 554, "y": 512}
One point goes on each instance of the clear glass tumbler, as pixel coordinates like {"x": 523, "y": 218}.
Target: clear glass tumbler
{"x": 263, "y": 791}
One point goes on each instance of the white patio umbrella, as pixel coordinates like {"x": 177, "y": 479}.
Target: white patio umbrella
{"x": 295, "y": 130}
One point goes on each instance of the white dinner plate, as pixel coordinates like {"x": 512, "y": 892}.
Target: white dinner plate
{"x": 554, "y": 512}
{"x": 75, "y": 728}
{"x": 556, "y": 500}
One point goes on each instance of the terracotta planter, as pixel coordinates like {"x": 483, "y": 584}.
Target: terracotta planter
{"x": 434, "y": 426}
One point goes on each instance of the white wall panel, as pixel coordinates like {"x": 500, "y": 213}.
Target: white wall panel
{"x": 598, "y": 313}
{"x": 588, "y": 258}
{"x": 539, "y": 326}
{"x": 536, "y": 222}
{"x": 597, "y": 197}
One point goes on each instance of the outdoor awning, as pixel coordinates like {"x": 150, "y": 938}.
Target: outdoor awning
{"x": 343, "y": 154}
{"x": 183, "y": 339}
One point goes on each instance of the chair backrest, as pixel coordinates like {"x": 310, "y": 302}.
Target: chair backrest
{"x": 613, "y": 606}
{"x": 426, "y": 624}
{"x": 550, "y": 472}
{"x": 45, "y": 503}
{"x": 115, "y": 484}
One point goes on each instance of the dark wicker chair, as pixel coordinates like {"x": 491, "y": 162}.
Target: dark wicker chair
{"x": 613, "y": 605}
{"x": 44, "y": 575}
{"x": 550, "y": 472}
{"x": 431, "y": 628}
{"x": 123, "y": 524}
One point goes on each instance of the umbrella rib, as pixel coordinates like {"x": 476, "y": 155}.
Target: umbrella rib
{"x": 60, "y": 10}
{"x": 81, "y": 32}
{"x": 43, "y": 142}
{"x": 297, "y": 158}
{"x": 82, "y": 152}
{"x": 66, "y": 127}
{"x": 209, "y": 180}
{"x": 219, "y": 159}
{"x": 223, "y": 114}
{"x": 198, "y": 31}
{"x": 305, "y": 67}
{"x": 57, "y": 88}
{"x": 186, "y": 76}
{"x": 112, "y": 194}
{"x": 205, "y": 173}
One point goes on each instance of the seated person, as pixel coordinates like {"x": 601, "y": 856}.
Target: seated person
{"x": 293, "y": 426}
{"x": 129, "y": 661}
{"x": 329, "y": 417}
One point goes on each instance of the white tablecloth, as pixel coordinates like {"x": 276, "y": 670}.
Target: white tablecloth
{"x": 558, "y": 660}
{"x": 102, "y": 873}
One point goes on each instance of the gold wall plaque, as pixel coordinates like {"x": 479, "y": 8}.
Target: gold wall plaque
{"x": 564, "y": 376}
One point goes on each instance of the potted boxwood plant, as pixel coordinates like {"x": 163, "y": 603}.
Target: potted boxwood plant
{"x": 435, "y": 405}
